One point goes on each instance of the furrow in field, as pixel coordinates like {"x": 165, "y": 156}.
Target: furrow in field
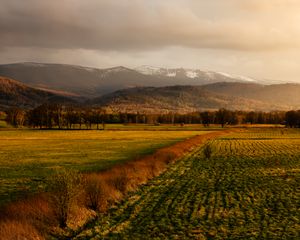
{"x": 248, "y": 189}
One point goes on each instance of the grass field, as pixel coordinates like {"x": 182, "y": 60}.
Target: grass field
{"x": 248, "y": 189}
{"x": 165, "y": 127}
{"x": 28, "y": 156}
{"x": 137, "y": 127}
{"x": 3, "y": 124}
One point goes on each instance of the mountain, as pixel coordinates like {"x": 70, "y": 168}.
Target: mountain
{"x": 145, "y": 88}
{"x": 16, "y": 94}
{"x": 277, "y": 94}
{"x": 200, "y": 77}
{"x": 93, "y": 82}
{"x": 234, "y": 96}
{"x": 180, "y": 99}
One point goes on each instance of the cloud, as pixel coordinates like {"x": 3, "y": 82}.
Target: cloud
{"x": 257, "y": 38}
{"x": 145, "y": 25}
{"x": 263, "y": 5}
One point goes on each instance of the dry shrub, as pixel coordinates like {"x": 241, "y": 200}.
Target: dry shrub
{"x": 119, "y": 179}
{"x": 17, "y": 230}
{"x": 96, "y": 192}
{"x": 154, "y": 167}
{"x": 64, "y": 189}
{"x": 78, "y": 216}
{"x": 167, "y": 156}
{"x": 141, "y": 173}
{"x": 151, "y": 169}
{"x": 132, "y": 170}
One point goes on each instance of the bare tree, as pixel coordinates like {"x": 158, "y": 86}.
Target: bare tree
{"x": 64, "y": 187}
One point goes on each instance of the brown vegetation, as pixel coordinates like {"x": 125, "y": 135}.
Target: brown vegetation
{"x": 207, "y": 151}
{"x": 64, "y": 188}
{"x": 37, "y": 217}
{"x": 28, "y": 218}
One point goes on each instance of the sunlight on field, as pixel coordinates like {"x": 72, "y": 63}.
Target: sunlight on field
{"x": 27, "y": 156}
{"x": 248, "y": 189}
{"x": 258, "y": 143}
{"x": 171, "y": 127}
{"x": 3, "y": 124}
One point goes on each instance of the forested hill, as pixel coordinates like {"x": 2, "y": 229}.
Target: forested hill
{"x": 287, "y": 94}
{"x": 182, "y": 99}
{"x": 16, "y": 94}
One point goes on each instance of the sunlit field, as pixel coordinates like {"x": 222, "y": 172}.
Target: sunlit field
{"x": 28, "y": 156}
{"x": 3, "y": 124}
{"x": 248, "y": 189}
{"x": 171, "y": 127}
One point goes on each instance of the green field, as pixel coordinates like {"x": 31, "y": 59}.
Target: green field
{"x": 249, "y": 189}
{"x": 165, "y": 127}
{"x": 3, "y": 124}
{"x": 28, "y": 156}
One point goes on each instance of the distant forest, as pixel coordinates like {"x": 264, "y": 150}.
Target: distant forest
{"x": 51, "y": 116}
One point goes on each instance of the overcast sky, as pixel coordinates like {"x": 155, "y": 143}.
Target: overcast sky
{"x": 256, "y": 38}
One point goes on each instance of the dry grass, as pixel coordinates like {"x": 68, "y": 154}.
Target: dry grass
{"x": 35, "y": 217}
{"x": 26, "y": 219}
{"x": 17, "y": 230}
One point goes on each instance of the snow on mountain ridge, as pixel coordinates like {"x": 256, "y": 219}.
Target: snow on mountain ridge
{"x": 148, "y": 70}
{"x": 180, "y": 73}
{"x": 243, "y": 78}
{"x": 190, "y": 73}
{"x": 171, "y": 74}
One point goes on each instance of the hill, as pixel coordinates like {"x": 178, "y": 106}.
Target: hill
{"x": 178, "y": 99}
{"x": 284, "y": 94}
{"x": 93, "y": 82}
{"x": 16, "y": 94}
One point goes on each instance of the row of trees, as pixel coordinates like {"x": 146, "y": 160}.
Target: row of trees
{"x": 293, "y": 119}
{"x": 67, "y": 117}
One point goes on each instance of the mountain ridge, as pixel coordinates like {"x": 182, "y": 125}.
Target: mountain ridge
{"x": 93, "y": 82}
{"x": 16, "y": 94}
{"x": 122, "y": 88}
{"x": 192, "y": 73}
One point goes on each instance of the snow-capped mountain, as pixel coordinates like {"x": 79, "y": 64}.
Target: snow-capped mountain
{"x": 209, "y": 76}
{"x": 122, "y": 87}
{"x": 93, "y": 82}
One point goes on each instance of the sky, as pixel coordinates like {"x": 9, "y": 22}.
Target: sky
{"x": 255, "y": 38}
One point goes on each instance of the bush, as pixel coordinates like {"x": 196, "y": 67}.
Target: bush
{"x": 95, "y": 192}
{"x": 120, "y": 180}
{"x": 64, "y": 187}
{"x": 207, "y": 151}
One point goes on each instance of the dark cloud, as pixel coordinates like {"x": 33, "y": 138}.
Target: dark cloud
{"x": 262, "y": 39}
{"x": 130, "y": 24}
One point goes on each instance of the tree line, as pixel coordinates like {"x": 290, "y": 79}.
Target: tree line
{"x": 69, "y": 117}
